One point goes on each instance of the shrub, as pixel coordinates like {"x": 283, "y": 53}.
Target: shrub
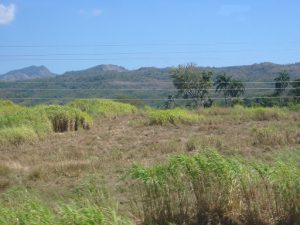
{"x": 107, "y": 108}
{"x": 212, "y": 189}
{"x": 173, "y": 116}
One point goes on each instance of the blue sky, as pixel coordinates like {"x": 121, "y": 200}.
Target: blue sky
{"x": 72, "y": 35}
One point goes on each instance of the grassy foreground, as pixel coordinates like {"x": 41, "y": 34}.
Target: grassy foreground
{"x": 125, "y": 165}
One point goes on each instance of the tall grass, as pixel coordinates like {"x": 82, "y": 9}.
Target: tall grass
{"x": 107, "y": 108}
{"x": 173, "y": 116}
{"x": 30, "y": 123}
{"x": 19, "y": 207}
{"x": 17, "y": 135}
{"x": 212, "y": 189}
{"x": 65, "y": 118}
{"x": 260, "y": 113}
{"x": 241, "y": 113}
{"x": 34, "y": 118}
{"x": 272, "y": 136}
{"x": 7, "y": 107}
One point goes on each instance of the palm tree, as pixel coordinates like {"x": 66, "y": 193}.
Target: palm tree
{"x": 281, "y": 83}
{"x": 231, "y": 88}
{"x": 236, "y": 88}
{"x": 222, "y": 84}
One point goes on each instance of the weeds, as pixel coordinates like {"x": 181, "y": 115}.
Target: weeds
{"x": 26, "y": 124}
{"x": 17, "y": 135}
{"x": 107, "y": 108}
{"x": 7, "y": 107}
{"x": 272, "y": 136}
{"x": 259, "y": 113}
{"x": 21, "y": 207}
{"x": 173, "y": 116}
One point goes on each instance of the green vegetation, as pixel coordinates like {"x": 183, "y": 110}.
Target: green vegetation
{"x": 121, "y": 84}
{"x": 231, "y": 88}
{"x": 17, "y": 135}
{"x": 19, "y": 124}
{"x": 22, "y": 207}
{"x": 98, "y": 107}
{"x": 64, "y": 118}
{"x": 259, "y": 113}
{"x": 273, "y": 135}
{"x": 7, "y": 107}
{"x": 282, "y": 82}
{"x": 193, "y": 83}
{"x": 34, "y": 118}
{"x": 212, "y": 189}
{"x": 173, "y": 116}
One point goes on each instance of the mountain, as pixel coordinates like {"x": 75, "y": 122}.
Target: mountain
{"x": 258, "y": 72}
{"x": 97, "y": 70}
{"x": 28, "y": 73}
{"x": 111, "y": 81}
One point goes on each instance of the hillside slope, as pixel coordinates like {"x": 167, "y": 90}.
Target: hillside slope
{"x": 111, "y": 81}
{"x": 28, "y": 73}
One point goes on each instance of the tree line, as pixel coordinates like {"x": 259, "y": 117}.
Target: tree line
{"x": 195, "y": 84}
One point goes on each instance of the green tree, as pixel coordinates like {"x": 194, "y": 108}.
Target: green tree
{"x": 231, "y": 88}
{"x": 281, "y": 83}
{"x": 236, "y": 88}
{"x": 295, "y": 92}
{"x": 170, "y": 103}
{"x": 222, "y": 84}
{"x": 192, "y": 83}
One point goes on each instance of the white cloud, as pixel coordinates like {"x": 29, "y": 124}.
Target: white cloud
{"x": 7, "y": 14}
{"x": 233, "y": 10}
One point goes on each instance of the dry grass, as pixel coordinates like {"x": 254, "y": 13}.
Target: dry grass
{"x": 54, "y": 165}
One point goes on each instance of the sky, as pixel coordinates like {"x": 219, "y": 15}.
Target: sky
{"x": 74, "y": 35}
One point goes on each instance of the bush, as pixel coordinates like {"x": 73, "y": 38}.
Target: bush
{"x": 107, "y": 108}
{"x": 212, "y": 189}
{"x": 173, "y": 116}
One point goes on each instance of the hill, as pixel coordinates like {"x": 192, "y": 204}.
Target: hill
{"x": 28, "y": 73}
{"x": 111, "y": 81}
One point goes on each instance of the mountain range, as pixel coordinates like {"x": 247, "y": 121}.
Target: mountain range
{"x": 112, "y": 81}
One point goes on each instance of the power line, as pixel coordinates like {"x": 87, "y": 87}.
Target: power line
{"x": 138, "y": 53}
{"x": 133, "y": 45}
{"x": 138, "y": 89}
{"x": 65, "y": 82}
{"x": 147, "y": 99}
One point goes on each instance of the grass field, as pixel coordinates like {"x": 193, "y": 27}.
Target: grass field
{"x": 124, "y": 165}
